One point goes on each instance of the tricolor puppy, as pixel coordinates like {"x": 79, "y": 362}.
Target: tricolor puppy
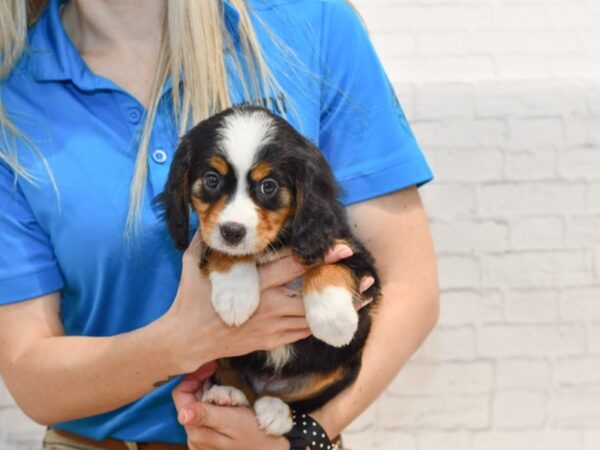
{"x": 259, "y": 189}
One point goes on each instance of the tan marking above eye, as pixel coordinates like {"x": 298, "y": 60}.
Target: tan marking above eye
{"x": 220, "y": 165}
{"x": 260, "y": 171}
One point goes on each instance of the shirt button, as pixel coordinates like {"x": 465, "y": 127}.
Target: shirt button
{"x": 134, "y": 115}
{"x": 159, "y": 156}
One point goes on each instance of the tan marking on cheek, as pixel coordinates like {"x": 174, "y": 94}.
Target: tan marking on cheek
{"x": 197, "y": 187}
{"x": 220, "y": 165}
{"x": 260, "y": 171}
{"x": 208, "y": 213}
{"x": 314, "y": 384}
{"x": 271, "y": 222}
{"x": 321, "y": 277}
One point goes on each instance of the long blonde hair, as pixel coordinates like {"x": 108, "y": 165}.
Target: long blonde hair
{"x": 195, "y": 32}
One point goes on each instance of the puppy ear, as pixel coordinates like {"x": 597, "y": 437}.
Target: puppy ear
{"x": 176, "y": 197}
{"x": 319, "y": 216}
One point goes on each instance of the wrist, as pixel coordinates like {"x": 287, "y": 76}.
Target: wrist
{"x": 181, "y": 354}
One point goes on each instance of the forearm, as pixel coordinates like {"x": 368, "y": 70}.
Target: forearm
{"x": 401, "y": 323}
{"x": 61, "y": 378}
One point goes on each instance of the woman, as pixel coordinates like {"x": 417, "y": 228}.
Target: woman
{"x": 99, "y": 311}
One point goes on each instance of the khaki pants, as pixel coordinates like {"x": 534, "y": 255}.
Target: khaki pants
{"x": 53, "y": 441}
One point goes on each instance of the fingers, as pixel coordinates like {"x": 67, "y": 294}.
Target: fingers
{"x": 366, "y": 283}
{"x": 195, "y": 248}
{"x": 219, "y": 418}
{"x": 282, "y": 271}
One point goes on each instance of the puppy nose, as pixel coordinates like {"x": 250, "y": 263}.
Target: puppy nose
{"x": 233, "y": 232}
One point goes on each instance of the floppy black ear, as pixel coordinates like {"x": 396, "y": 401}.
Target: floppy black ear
{"x": 319, "y": 215}
{"x": 176, "y": 197}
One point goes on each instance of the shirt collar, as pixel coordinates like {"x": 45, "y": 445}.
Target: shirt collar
{"x": 53, "y": 57}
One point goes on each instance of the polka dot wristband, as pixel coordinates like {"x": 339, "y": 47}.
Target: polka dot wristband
{"x": 307, "y": 433}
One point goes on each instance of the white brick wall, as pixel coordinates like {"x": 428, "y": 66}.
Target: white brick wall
{"x": 504, "y": 96}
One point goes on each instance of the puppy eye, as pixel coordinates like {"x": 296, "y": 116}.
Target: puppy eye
{"x": 268, "y": 186}
{"x": 211, "y": 180}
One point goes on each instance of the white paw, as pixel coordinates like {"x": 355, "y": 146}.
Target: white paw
{"x": 235, "y": 294}
{"x": 225, "y": 396}
{"x": 273, "y": 415}
{"x": 331, "y": 315}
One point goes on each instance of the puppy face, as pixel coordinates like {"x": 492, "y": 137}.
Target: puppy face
{"x": 241, "y": 196}
{"x": 249, "y": 175}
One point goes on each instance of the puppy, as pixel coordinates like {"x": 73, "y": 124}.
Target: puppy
{"x": 261, "y": 189}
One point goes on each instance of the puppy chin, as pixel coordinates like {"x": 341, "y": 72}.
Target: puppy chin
{"x": 244, "y": 248}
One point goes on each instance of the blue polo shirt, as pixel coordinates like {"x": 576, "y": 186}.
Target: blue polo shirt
{"x": 334, "y": 90}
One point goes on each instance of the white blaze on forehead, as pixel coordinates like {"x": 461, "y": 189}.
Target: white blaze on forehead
{"x": 242, "y": 135}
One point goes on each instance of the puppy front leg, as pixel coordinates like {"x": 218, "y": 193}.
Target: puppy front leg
{"x": 235, "y": 289}
{"x": 328, "y": 293}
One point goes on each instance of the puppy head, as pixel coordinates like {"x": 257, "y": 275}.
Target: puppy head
{"x": 249, "y": 176}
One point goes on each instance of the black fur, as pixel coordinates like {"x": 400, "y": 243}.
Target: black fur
{"x": 319, "y": 220}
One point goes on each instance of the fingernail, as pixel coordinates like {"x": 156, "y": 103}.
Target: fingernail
{"x": 344, "y": 252}
{"x": 367, "y": 283}
{"x": 185, "y": 416}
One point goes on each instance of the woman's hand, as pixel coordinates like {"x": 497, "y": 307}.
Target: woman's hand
{"x": 197, "y": 333}
{"x": 210, "y": 427}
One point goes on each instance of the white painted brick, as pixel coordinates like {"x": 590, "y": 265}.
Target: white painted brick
{"x": 441, "y": 412}
{"x": 576, "y": 372}
{"x": 535, "y": 374}
{"x": 532, "y": 165}
{"x": 440, "y": 68}
{"x": 468, "y": 378}
{"x": 470, "y": 236}
{"x": 390, "y": 45}
{"x": 530, "y": 233}
{"x": 582, "y": 132}
{"x": 580, "y": 164}
{"x": 591, "y": 440}
{"x": 594, "y": 90}
{"x": 457, "y": 165}
{"x": 594, "y": 338}
{"x": 576, "y": 408}
{"x": 394, "y": 440}
{"x": 531, "y": 99}
{"x": 461, "y": 133}
{"x": 470, "y": 307}
{"x": 444, "y": 43}
{"x": 518, "y": 410}
{"x": 530, "y": 440}
{"x": 449, "y": 344}
{"x": 450, "y": 199}
{"x": 510, "y": 340}
{"x": 593, "y": 197}
{"x": 5, "y": 398}
{"x": 365, "y": 439}
{"x": 530, "y": 41}
{"x": 532, "y": 198}
{"x": 532, "y": 306}
{"x": 536, "y": 134}
{"x": 444, "y": 100}
{"x": 17, "y": 431}
{"x": 458, "y": 271}
{"x": 442, "y": 17}
{"x": 452, "y": 440}
{"x": 522, "y": 16}
{"x": 569, "y": 65}
{"x": 530, "y": 269}
{"x": 524, "y": 66}
{"x": 582, "y": 15}
{"x": 583, "y": 230}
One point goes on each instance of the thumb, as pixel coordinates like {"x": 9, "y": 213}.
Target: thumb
{"x": 204, "y": 415}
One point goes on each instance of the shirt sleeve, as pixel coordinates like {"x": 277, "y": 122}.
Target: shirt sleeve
{"x": 28, "y": 267}
{"x": 363, "y": 131}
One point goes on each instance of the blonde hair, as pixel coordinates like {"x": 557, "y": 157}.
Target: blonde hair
{"x": 195, "y": 33}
